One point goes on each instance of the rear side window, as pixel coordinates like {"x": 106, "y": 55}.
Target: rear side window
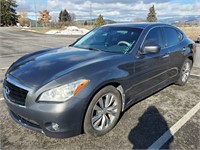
{"x": 180, "y": 35}
{"x": 154, "y": 38}
{"x": 172, "y": 36}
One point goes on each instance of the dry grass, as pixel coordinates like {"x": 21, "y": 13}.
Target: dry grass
{"x": 81, "y": 25}
{"x": 191, "y": 32}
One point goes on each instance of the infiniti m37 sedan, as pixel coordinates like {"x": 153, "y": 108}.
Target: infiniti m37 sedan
{"x": 85, "y": 87}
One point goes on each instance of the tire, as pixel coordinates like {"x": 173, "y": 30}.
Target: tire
{"x": 103, "y": 112}
{"x": 185, "y": 72}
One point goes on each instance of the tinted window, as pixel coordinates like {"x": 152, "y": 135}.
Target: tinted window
{"x": 154, "y": 38}
{"x": 111, "y": 39}
{"x": 171, "y": 36}
{"x": 180, "y": 35}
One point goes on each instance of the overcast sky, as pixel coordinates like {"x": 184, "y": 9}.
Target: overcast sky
{"x": 118, "y": 10}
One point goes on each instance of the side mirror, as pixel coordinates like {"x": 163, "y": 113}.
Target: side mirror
{"x": 151, "y": 49}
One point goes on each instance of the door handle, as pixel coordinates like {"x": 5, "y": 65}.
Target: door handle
{"x": 165, "y": 55}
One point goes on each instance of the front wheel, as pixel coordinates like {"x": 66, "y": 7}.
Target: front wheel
{"x": 185, "y": 72}
{"x": 103, "y": 112}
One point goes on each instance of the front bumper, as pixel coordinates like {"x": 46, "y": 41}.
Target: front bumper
{"x": 39, "y": 116}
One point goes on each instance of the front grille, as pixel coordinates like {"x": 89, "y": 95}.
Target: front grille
{"x": 16, "y": 94}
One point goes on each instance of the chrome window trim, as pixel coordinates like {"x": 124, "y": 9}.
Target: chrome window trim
{"x": 147, "y": 35}
{"x": 163, "y": 34}
{"x": 177, "y": 30}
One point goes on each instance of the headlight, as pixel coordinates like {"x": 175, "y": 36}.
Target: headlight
{"x": 64, "y": 92}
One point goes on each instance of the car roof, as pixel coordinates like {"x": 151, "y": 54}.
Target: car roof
{"x": 142, "y": 25}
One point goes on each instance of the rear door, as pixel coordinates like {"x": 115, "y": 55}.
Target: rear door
{"x": 151, "y": 69}
{"x": 174, "y": 45}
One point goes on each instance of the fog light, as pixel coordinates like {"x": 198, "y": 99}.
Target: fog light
{"x": 52, "y": 126}
{"x": 55, "y": 126}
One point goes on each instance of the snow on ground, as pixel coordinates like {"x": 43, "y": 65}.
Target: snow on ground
{"x": 71, "y": 30}
{"x": 52, "y": 32}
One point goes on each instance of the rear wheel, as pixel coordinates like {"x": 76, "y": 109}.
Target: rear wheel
{"x": 185, "y": 72}
{"x": 103, "y": 112}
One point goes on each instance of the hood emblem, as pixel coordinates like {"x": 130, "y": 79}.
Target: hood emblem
{"x": 7, "y": 90}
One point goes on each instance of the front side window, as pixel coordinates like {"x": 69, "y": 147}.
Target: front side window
{"x": 110, "y": 39}
{"x": 172, "y": 36}
{"x": 154, "y": 38}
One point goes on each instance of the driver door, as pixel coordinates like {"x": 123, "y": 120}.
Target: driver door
{"x": 151, "y": 69}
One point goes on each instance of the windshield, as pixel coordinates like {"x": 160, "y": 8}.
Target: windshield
{"x": 111, "y": 39}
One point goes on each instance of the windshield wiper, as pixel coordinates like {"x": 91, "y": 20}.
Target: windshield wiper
{"x": 90, "y": 48}
{"x": 95, "y": 49}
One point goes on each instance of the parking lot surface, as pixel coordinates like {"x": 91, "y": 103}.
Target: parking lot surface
{"x": 139, "y": 127}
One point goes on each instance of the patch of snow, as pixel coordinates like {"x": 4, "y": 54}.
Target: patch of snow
{"x": 71, "y": 30}
{"x": 52, "y": 32}
{"x": 31, "y": 30}
{"x": 25, "y": 27}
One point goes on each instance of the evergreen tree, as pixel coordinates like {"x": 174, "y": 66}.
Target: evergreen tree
{"x": 85, "y": 23}
{"x": 99, "y": 21}
{"x": 61, "y": 16}
{"x": 66, "y": 16}
{"x": 152, "y": 15}
{"x": 8, "y": 13}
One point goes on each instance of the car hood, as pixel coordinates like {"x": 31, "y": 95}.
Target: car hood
{"x": 44, "y": 66}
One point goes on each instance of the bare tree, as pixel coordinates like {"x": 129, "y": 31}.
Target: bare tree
{"x": 44, "y": 17}
{"x": 73, "y": 16}
{"x": 23, "y": 19}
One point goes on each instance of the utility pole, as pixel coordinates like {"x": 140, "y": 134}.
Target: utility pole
{"x": 35, "y": 15}
{"x": 91, "y": 12}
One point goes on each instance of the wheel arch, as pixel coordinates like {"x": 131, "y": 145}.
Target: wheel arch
{"x": 118, "y": 86}
{"x": 191, "y": 58}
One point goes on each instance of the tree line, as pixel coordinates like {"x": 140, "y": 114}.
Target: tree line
{"x": 9, "y": 16}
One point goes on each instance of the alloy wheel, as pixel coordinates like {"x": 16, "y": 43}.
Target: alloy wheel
{"x": 104, "y": 112}
{"x": 185, "y": 71}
